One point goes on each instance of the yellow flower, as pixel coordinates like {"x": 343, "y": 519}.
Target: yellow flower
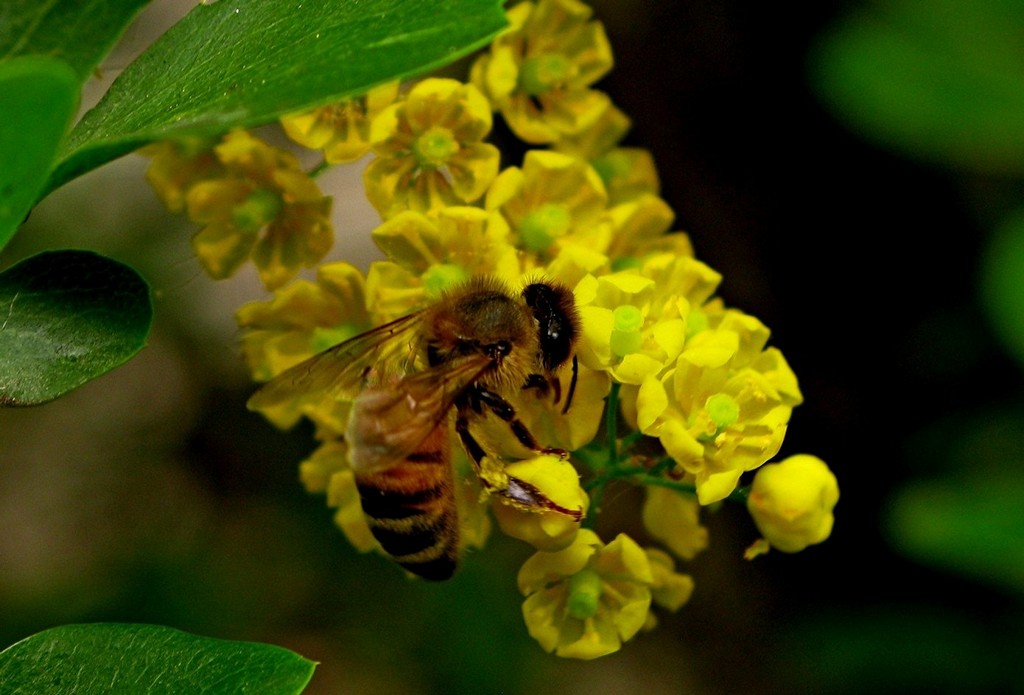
{"x": 669, "y": 589}
{"x": 327, "y": 470}
{"x": 627, "y": 172}
{"x": 176, "y": 165}
{"x": 544, "y": 529}
{"x": 430, "y": 253}
{"x": 636, "y": 322}
{"x": 584, "y": 601}
{"x": 673, "y": 519}
{"x": 635, "y": 223}
{"x": 430, "y": 149}
{"x": 577, "y": 426}
{"x": 792, "y": 502}
{"x": 599, "y": 137}
{"x": 301, "y": 320}
{"x": 262, "y": 207}
{"x": 723, "y": 407}
{"x": 539, "y": 71}
{"x": 554, "y": 199}
{"x": 341, "y": 130}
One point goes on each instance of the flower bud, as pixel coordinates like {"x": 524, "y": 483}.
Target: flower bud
{"x": 792, "y": 501}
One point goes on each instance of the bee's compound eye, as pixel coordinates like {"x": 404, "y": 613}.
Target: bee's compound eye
{"x": 554, "y": 309}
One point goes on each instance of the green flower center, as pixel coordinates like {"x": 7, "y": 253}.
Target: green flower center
{"x": 545, "y": 224}
{"x": 722, "y": 409}
{"x": 257, "y": 211}
{"x": 611, "y": 166}
{"x": 696, "y": 323}
{"x": 442, "y": 276}
{"x": 625, "y": 263}
{"x": 584, "y": 594}
{"x": 627, "y": 320}
{"x": 324, "y": 338}
{"x": 540, "y": 74}
{"x": 435, "y": 146}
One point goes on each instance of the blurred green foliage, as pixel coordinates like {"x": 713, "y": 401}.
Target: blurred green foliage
{"x": 938, "y": 79}
{"x": 942, "y": 82}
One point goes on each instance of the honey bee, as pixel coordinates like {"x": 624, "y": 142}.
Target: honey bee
{"x": 415, "y": 379}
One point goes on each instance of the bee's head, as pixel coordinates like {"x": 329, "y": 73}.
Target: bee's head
{"x": 558, "y": 323}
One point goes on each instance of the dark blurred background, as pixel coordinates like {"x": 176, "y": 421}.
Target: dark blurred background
{"x": 886, "y": 264}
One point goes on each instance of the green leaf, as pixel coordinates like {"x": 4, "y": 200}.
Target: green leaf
{"x": 1002, "y": 283}
{"x": 119, "y": 658}
{"x": 971, "y": 525}
{"x": 67, "y": 317}
{"x": 246, "y": 62}
{"x": 38, "y": 98}
{"x": 78, "y": 33}
{"x": 941, "y": 80}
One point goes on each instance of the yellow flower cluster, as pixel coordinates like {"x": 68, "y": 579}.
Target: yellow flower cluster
{"x": 705, "y": 398}
{"x": 253, "y": 201}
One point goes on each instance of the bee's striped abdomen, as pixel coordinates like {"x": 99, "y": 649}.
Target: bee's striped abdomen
{"x": 411, "y": 511}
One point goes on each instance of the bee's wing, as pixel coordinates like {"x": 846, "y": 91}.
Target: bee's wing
{"x": 340, "y": 371}
{"x": 391, "y": 422}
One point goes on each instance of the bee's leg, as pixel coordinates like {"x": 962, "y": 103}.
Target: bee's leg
{"x": 504, "y": 410}
{"x": 572, "y": 385}
{"x": 544, "y": 383}
{"x": 469, "y": 442}
{"x": 519, "y": 492}
{"x": 551, "y": 382}
{"x": 539, "y": 382}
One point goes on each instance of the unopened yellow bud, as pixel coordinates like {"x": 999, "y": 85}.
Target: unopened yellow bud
{"x": 792, "y": 502}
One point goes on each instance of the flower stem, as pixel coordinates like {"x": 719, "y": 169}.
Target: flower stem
{"x": 611, "y": 424}
{"x": 596, "y": 486}
{"x": 319, "y": 169}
